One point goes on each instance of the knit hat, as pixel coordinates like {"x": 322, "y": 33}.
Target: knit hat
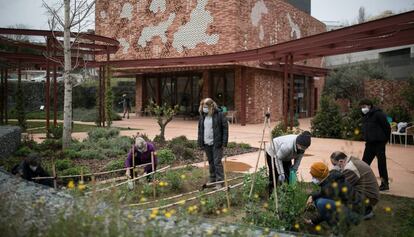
{"x": 319, "y": 170}
{"x": 141, "y": 144}
{"x": 304, "y": 139}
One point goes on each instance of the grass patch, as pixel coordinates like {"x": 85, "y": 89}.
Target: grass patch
{"x": 40, "y": 127}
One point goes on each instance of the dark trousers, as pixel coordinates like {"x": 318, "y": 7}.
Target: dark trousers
{"x": 377, "y": 149}
{"x": 286, "y": 168}
{"x": 214, "y": 156}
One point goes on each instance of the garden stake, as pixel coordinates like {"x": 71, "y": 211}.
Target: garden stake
{"x": 82, "y": 174}
{"x": 266, "y": 123}
{"x": 274, "y": 179}
{"x": 153, "y": 176}
{"x": 205, "y": 166}
{"x": 225, "y": 183}
{"x": 54, "y": 173}
{"x": 133, "y": 162}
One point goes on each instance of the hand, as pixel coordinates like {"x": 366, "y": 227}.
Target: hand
{"x": 281, "y": 178}
{"x": 309, "y": 201}
{"x": 307, "y": 221}
{"x": 128, "y": 174}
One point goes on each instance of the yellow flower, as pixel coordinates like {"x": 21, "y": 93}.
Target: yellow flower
{"x": 155, "y": 211}
{"x": 143, "y": 199}
{"x": 338, "y": 203}
{"x": 256, "y": 195}
{"x": 334, "y": 184}
{"x": 172, "y": 211}
{"x": 356, "y": 132}
{"x": 265, "y": 205}
{"x": 161, "y": 184}
{"x": 318, "y": 228}
{"x": 202, "y": 202}
{"x": 266, "y": 230}
{"x": 168, "y": 214}
{"x": 297, "y": 226}
{"x": 165, "y": 183}
{"x": 152, "y": 216}
{"x": 81, "y": 186}
{"x": 344, "y": 189}
{"x": 130, "y": 216}
{"x": 71, "y": 184}
{"x": 328, "y": 206}
{"x": 181, "y": 202}
{"x": 183, "y": 176}
{"x": 388, "y": 209}
{"x": 218, "y": 212}
{"x": 224, "y": 210}
{"x": 367, "y": 201}
{"x": 190, "y": 209}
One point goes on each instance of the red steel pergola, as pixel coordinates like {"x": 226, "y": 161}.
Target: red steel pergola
{"x": 392, "y": 31}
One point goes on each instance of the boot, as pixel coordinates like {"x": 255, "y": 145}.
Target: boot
{"x": 384, "y": 186}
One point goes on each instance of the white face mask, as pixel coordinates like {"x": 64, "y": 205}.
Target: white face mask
{"x": 315, "y": 180}
{"x": 33, "y": 168}
{"x": 337, "y": 167}
{"x": 205, "y": 109}
{"x": 365, "y": 110}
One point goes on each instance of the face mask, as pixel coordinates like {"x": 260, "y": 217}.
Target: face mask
{"x": 299, "y": 150}
{"x": 33, "y": 168}
{"x": 336, "y": 167}
{"x": 315, "y": 180}
{"x": 365, "y": 110}
{"x": 205, "y": 110}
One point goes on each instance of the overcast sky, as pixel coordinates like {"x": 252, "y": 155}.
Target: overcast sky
{"x": 31, "y": 13}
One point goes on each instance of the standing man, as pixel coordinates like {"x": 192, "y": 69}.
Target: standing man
{"x": 283, "y": 150}
{"x": 376, "y": 132}
{"x": 213, "y": 134}
{"x": 126, "y": 104}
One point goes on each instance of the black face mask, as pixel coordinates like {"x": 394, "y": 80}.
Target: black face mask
{"x": 299, "y": 151}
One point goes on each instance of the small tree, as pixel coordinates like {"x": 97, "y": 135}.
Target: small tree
{"x": 328, "y": 120}
{"x": 164, "y": 115}
{"x": 408, "y": 92}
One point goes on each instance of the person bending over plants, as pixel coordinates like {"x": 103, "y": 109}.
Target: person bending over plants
{"x": 142, "y": 155}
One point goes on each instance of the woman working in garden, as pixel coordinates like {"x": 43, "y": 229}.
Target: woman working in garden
{"x": 142, "y": 155}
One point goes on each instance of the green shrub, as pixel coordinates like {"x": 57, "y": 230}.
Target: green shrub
{"x": 165, "y": 156}
{"x": 91, "y": 154}
{"x": 181, "y": 152}
{"x": 244, "y": 146}
{"x": 328, "y": 120}
{"x": 51, "y": 144}
{"x": 98, "y": 133}
{"x": 352, "y": 124}
{"x": 70, "y": 154}
{"x": 56, "y": 132}
{"x": 23, "y": 151}
{"x": 159, "y": 139}
{"x": 63, "y": 164}
{"x": 115, "y": 164}
{"x": 231, "y": 145}
{"x": 214, "y": 203}
{"x": 174, "y": 180}
{"x": 260, "y": 185}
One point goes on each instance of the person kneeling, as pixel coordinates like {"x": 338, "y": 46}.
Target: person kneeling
{"x": 30, "y": 168}
{"x": 142, "y": 155}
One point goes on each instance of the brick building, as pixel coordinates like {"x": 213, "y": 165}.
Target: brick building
{"x": 180, "y": 28}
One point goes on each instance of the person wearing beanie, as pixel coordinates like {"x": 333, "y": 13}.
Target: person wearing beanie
{"x": 283, "y": 150}
{"x": 330, "y": 195}
{"x": 142, "y": 150}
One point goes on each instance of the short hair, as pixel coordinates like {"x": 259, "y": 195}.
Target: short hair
{"x": 338, "y": 155}
{"x": 33, "y": 159}
{"x": 366, "y": 102}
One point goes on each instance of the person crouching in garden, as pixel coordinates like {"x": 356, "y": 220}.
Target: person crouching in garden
{"x": 333, "y": 197}
{"x": 283, "y": 150}
{"x": 213, "y": 135}
{"x": 30, "y": 168}
{"x": 142, "y": 155}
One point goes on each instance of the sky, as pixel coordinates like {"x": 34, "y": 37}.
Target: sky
{"x": 32, "y": 14}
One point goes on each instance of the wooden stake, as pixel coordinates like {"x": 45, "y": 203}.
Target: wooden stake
{"x": 225, "y": 183}
{"x": 153, "y": 176}
{"x": 82, "y": 174}
{"x": 258, "y": 158}
{"x": 205, "y": 166}
{"x": 133, "y": 161}
{"x": 54, "y": 173}
{"x": 274, "y": 179}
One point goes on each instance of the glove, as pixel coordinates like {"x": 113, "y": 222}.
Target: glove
{"x": 281, "y": 178}
{"x": 128, "y": 174}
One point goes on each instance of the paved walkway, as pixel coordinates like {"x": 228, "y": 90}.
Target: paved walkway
{"x": 400, "y": 159}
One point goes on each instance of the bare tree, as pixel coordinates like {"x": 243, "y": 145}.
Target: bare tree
{"x": 69, "y": 16}
{"x": 361, "y": 15}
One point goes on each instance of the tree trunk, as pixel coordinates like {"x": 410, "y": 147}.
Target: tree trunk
{"x": 67, "y": 104}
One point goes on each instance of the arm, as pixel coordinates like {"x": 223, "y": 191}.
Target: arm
{"x": 200, "y": 138}
{"x": 128, "y": 161}
{"x": 297, "y": 162}
{"x": 385, "y": 125}
{"x": 280, "y": 153}
{"x": 225, "y": 126}
{"x": 351, "y": 177}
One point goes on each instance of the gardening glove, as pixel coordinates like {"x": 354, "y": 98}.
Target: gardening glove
{"x": 281, "y": 178}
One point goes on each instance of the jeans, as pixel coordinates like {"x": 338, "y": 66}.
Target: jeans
{"x": 214, "y": 156}
{"x": 286, "y": 168}
{"x": 327, "y": 209}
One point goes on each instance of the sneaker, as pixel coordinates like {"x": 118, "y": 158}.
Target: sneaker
{"x": 368, "y": 216}
{"x": 384, "y": 187}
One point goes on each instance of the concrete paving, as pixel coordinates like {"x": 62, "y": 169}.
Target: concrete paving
{"x": 400, "y": 159}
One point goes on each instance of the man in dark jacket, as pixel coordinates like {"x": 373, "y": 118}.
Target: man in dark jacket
{"x": 213, "y": 133}
{"x": 376, "y": 131}
{"x": 30, "y": 168}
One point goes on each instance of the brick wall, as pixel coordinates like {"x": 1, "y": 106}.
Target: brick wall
{"x": 387, "y": 91}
